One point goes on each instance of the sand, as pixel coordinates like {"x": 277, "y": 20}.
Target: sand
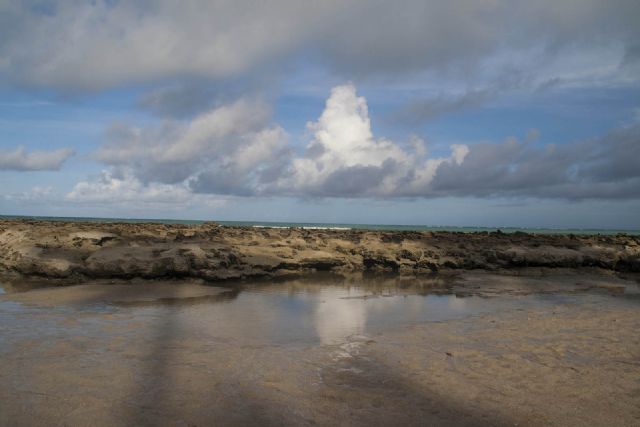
{"x": 570, "y": 361}
{"x": 138, "y": 337}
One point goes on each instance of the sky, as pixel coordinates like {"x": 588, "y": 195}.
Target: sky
{"x": 488, "y": 113}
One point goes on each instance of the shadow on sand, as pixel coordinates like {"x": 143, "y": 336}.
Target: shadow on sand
{"x": 217, "y": 388}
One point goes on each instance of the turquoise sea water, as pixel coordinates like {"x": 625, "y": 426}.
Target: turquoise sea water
{"x": 390, "y": 227}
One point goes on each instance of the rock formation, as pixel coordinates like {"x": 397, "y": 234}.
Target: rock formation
{"x": 72, "y": 252}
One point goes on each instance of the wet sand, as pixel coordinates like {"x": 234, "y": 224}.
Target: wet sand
{"x": 539, "y": 348}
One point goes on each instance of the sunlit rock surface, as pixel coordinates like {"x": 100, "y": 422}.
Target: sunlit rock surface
{"x": 70, "y": 252}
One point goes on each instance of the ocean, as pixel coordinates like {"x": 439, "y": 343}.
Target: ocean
{"x": 335, "y": 226}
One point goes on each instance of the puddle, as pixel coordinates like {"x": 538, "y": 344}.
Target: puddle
{"x": 313, "y": 310}
{"x": 166, "y": 354}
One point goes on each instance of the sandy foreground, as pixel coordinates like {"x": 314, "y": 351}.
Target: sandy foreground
{"x": 197, "y": 326}
{"x": 541, "y": 350}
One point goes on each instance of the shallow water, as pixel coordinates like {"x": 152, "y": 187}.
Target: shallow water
{"x": 311, "y": 311}
{"x": 321, "y": 309}
{"x": 304, "y": 351}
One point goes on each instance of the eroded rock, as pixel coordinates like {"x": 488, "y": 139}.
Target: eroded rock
{"x": 75, "y": 250}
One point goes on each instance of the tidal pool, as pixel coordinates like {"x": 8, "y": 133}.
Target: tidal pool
{"x": 291, "y": 352}
{"x": 319, "y": 309}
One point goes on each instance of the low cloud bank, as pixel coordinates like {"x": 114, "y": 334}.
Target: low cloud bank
{"x": 236, "y": 150}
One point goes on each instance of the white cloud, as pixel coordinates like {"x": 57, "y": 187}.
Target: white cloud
{"x": 235, "y": 138}
{"x": 119, "y": 196}
{"x": 36, "y": 194}
{"x": 337, "y": 321}
{"x": 176, "y": 141}
{"x": 19, "y": 159}
{"x": 234, "y": 150}
{"x": 342, "y": 139}
{"x": 344, "y": 157}
{"x": 109, "y": 189}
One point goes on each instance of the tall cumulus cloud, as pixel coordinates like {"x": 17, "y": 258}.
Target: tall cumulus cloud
{"x": 236, "y": 150}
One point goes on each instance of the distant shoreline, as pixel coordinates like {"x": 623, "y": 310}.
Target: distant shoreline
{"x": 335, "y": 226}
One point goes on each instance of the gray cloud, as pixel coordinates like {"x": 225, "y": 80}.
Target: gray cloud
{"x": 594, "y": 169}
{"x": 178, "y": 100}
{"x": 422, "y": 110}
{"x": 235, "y": 150}
{"x": 230, "y": 149}
{"x": 631, "y": 55}
{"x": 357, "y": 180}
{"x": 601, "y": 168}
{"x": 21, "y": 160}
{"x": 245, "y": 173}
{"x": 188, "y": 97}
{"x": 93, "y": 45}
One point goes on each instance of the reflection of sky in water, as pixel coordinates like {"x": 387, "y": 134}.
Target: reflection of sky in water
{"x": 632, "y": 289}
{"x": 329, "y": 315}
{"x": 338, "y": 319}
{"x": 302, "y": 313}
{"x": 258, "y": 315}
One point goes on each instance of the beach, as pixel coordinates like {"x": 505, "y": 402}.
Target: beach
{"x": 483, "y": 349}
{"x": 154, "y": 324}
{"x": 324, "y": 213}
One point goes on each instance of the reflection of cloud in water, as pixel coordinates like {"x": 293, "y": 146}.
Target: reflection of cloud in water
{"x": 343, "y": 314}
{"x": 458, "y": 304}
{"x": 337, "y": 318}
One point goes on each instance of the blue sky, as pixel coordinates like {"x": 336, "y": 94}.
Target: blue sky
{"x": 466, "y": 113}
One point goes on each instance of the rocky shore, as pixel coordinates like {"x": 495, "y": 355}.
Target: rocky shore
{"x": 72, "y": 252}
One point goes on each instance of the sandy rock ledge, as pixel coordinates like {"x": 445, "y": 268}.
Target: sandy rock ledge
{"x": 70, "y": 252}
